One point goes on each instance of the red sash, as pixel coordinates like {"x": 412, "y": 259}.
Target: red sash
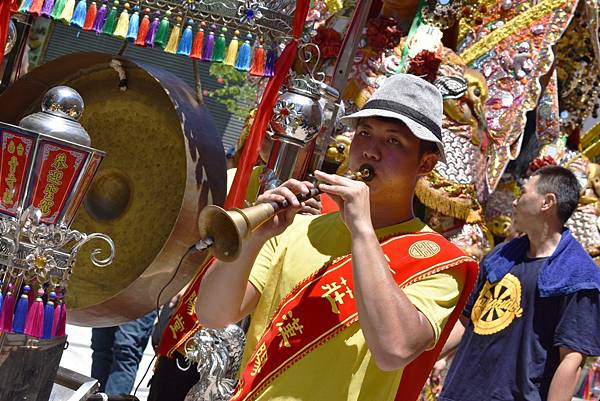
{"x": 183, "y": 324}
{"x": 323, "y": 305}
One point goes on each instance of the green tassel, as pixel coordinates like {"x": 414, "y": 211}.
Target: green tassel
{"x": 111, "y": 20}
{"x": 220, "y": 45}
{"x": 162, "y": 33}
{"x": 58, "y": 9}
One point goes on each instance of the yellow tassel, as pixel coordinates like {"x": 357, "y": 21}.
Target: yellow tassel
{"x": 122, "y": 24}
{"x": 67, "y": 12}
{"x": 174, "y": 38}
{"x": 232, "y": 50}
{"x": 461, "y": 203}
{"x": 333, "y": 6}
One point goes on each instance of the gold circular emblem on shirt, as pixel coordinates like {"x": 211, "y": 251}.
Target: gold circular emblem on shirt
{"x": 424, "y": 249}
{"x": 497, "y": 306}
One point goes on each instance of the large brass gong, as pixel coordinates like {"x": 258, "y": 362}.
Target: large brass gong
{"x": 164, "y": 163}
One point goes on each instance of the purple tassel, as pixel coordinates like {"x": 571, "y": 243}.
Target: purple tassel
{"x": 152, "y": 31}
{"x": 49, "y": 315}
{"x": 47, "y": 9}
{"x": 270, "y": 63}
{"x": 100, "y": 19}
{"x": 209, "y": 45}
{"x": 21, "y": 311}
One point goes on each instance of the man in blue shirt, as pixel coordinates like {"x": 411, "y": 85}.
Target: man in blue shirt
{"x": 535, "y": 312}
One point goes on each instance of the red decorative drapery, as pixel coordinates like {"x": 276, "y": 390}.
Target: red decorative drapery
{"x": 7, "y": 7}
{"x": 264, "y": 113}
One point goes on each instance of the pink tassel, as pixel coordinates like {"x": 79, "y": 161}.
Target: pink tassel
{"x": 58, "y": 303}
{"x": 34, "y": 325}
{"x": 62, "y": 324}
{"x": 8, "y": 308}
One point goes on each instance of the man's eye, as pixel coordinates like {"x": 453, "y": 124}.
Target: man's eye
{"x": 393, "y": 141}
{"x": 363, "y": 133}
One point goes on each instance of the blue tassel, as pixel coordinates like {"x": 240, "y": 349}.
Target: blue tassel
{"x": 134, "y": 24}
{"x": 79, "y": 14}
{"x": 25, "y": 6}
{"x": 49, "y": 315}
{"x": 243, "y": 59}
{"x": 185, "y": 43}
{"x": 21, "y": 311}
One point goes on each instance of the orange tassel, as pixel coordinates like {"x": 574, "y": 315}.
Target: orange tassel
{"x": 258, "y": 62}
{"x": 90, "y": 17}
{"x": 197, "y": 45}
{"x": 143, "y": 30}
{"x": 36, "y": 7}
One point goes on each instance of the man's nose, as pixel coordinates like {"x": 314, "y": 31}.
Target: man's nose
{"x": 372, "y": 153}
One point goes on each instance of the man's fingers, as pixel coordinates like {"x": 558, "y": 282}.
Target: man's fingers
{"x": 340, "y": 191}
{"x": 313, "y": 203}
{"x": 330, "y": 178}
{"x": 298, "y": 187}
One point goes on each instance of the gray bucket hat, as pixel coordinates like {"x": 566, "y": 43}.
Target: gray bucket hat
{"x": 411, "y": 99}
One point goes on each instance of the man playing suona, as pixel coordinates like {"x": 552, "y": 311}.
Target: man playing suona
{"x": 535, "y": 311}
{"x": 343, "y": 303}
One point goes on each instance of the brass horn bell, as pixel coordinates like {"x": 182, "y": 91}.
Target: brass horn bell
{"x": 228, "y": 228}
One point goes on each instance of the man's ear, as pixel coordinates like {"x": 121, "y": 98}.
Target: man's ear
{"x": 428, "y": 162}
{"x": 549, "y": 201}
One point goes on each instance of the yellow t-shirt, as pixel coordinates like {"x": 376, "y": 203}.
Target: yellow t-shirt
{"x": 342, "y": 368}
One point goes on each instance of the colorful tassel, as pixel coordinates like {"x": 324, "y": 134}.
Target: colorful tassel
{"x": 25, "y": 6}
{"x": 56, "y": 317}
{"x": 243, "y": 59}
{"x": 60, "y": 314}
{"x": 34, "y": 325}
{"x": 62, "y": 323}
{"x": 220, "y": 44}
{"x": 174, "y": 38}
{"x": 36, "y": 7}
{"x": 123, "y": 23}
{"x": 185, "y": 44}
{"x": 258, "y": 62}
{"x": 152, "y": 31}
{"x": 163, "y": 31}
{"x": 21, "y": 311}
{"x": 47, "y": 9}
{"x": 196, "y": 53}
{"x": 67, "y": 12}
{"x": 79, "y": 14}
{"x": 232, "y": 50}
{"x": 143, "y": 30}
{"x": 270, "y": 63}
{"x": 49, "y": 316}
{"x": 57, "y": 10}
{"x": 134, "y": 24}
{"x": 1, "y": 298}
{"x": 90, "y": 17}
{"x": 209, "y": 45}
{"x": 8, "y": 306}
{"x": 100, "y": 19}
{"x": 111, "y": 20}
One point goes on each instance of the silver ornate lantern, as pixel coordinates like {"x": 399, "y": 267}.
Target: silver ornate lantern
{"x": 303, "y": 110}
{"x": 46, "y": 168}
